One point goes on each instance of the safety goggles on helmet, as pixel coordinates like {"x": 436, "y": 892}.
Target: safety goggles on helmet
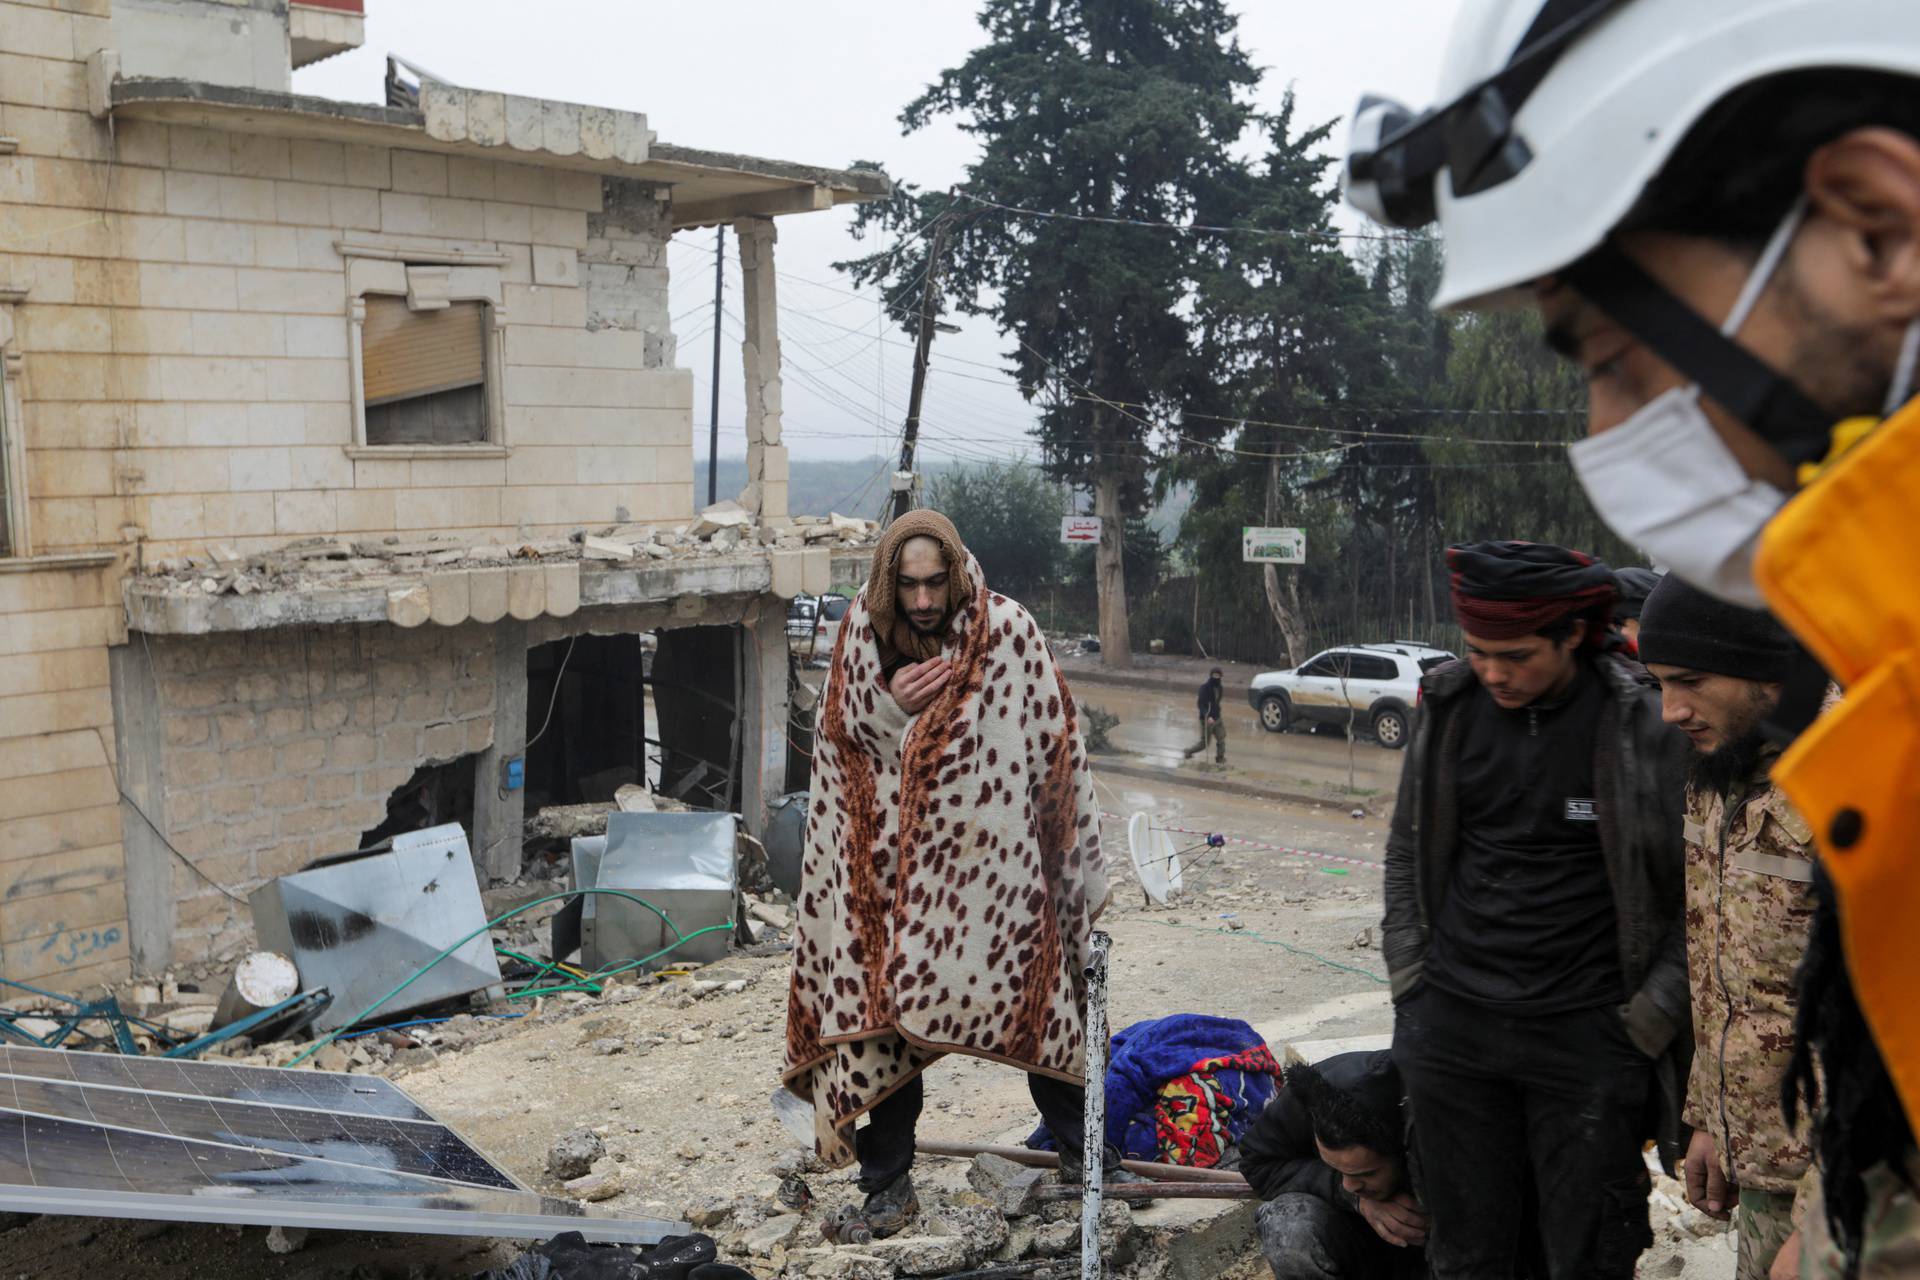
{"x": 1395, "y": 156}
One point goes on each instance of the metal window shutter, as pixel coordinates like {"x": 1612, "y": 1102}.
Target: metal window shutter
{"x": 415, "y": 353}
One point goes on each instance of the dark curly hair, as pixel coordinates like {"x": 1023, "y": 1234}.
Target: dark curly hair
{"x": 1341, "y": 1120}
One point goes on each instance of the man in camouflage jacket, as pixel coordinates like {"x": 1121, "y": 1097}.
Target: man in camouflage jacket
{"x": 1749, "y": 865}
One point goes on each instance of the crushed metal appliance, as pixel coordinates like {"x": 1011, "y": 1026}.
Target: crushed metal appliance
{"x": 361, "y": 924}
{"x": 683, "y": 863}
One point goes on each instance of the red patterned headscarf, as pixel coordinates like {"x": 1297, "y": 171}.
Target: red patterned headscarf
{"x": 1506, "y": 590}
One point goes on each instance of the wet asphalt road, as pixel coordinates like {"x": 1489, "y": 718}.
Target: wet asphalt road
{"x": 1156, "y": 728}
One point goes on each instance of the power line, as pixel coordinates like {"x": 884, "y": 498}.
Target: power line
{"x": 1241, "y": 420}
{"x": 1275, "y": 232}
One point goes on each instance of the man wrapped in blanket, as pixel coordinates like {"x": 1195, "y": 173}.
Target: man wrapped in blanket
{"x": 952, "y": 869}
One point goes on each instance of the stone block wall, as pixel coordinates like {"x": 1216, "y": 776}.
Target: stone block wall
{"x": 62, "y": 891}
{"x": 266, "y": 750}
{"x": 176, "y": 320}
{"x": 184, "y": 335}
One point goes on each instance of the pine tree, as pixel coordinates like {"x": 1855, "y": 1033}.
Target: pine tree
{"x": 1099, "y": 123}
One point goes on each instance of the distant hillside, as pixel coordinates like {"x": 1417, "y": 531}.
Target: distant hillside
{"x": 855, "y": 487}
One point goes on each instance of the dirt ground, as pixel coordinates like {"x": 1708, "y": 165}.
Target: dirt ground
{"x": 1279, "y": 927}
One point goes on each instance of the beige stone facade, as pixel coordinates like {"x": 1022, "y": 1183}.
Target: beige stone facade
{"x": 185, "y": 274}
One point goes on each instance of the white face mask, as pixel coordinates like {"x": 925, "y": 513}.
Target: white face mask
{"x": 1666, "y": 482}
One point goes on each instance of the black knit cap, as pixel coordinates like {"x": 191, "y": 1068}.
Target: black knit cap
{"x": 1683, "y": 626}
{"x": 1632, "y": 586}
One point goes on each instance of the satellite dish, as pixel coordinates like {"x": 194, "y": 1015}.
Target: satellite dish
{"x": 1154, "y": 859}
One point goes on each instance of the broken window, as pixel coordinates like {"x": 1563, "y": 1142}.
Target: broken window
{"x": 435, "y": 794}
{"x": 607, "y": 692}
{"x": 593, "y": 742}
{"x": 424, "y": 372}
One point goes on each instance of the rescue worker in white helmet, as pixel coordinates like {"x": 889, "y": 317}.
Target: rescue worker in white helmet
{"x": 1715, "y": 207}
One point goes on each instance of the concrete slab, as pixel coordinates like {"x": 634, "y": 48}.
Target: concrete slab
{"x": 817, "y": 570}
{"x": 409, "y": 606}
{"x": 788, "y": 573}
{"x": 487, "y": 594}
{"x": 563, "y": 589}
{"x": 450, "y": 598}
{"x": 526, "y": 591}
{"x": 160, "y": 606}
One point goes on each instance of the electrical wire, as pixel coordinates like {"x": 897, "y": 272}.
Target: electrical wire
{"x": 552, "y": 701}
{"x": 1275, "y": 232}
{"x": 1249, "y": 935}
{"x": 153, "y": 826}
{"x": 679, "y": 941}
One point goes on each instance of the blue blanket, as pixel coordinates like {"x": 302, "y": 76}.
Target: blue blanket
{"x": 1147, "y": 1055}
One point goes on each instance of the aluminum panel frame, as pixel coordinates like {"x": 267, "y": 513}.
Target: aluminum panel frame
{"x": 82, "y": 1202}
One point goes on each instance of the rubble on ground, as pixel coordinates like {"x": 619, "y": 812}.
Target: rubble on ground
{"x": 721, "y": 529}
{"x": 572, "y": 1156}
{"x": 954, "y": 1232}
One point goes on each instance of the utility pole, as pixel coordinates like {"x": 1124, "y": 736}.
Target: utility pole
{"x": 713, "y": 417}
{"x": 923, "y": 344}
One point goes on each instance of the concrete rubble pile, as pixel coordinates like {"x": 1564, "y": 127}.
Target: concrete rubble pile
{"x": 725, "y": 528}
{"x": 997, "y": 1220}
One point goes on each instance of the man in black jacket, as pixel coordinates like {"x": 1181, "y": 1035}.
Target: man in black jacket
{"x": 1533, "y": 930}
{"x": 1210, "y": 722}
{"x": 1328, "y": 1156}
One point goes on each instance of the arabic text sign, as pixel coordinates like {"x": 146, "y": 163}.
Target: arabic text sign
{"x": 1080, "y": 529}
{"x": 1273, "y": 546}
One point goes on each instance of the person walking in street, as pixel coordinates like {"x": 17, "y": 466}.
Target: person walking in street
{"x": 1715, "y": 209}
{"x": 1328, "y": 1159}
{"x": 1533, "y": 931}
{"x": 1750, "y": 859}
{"x": 1211, "y": 724}
{"x": 952, "y": 869}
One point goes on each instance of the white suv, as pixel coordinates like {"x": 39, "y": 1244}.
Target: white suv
{"x": 1371, "y": 685}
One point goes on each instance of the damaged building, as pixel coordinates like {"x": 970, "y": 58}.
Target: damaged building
{"x": 346, "y": 478}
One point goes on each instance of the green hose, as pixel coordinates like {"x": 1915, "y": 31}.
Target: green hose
{"x": 371, "y": 1009}
{"x": 589, "y": 984}
{"x": 546, "y": 968}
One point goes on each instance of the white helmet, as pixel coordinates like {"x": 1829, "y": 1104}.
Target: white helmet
{"x": 1558, "y": 113}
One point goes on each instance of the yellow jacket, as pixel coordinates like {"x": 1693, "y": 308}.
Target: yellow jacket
{"x": 1840, "y": 566}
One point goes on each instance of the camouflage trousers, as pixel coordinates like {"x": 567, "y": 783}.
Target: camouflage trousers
{"x": 1216, "y": 732}
{"x": 1891, "y": 1247}
{"x": 1761, "y": 1225}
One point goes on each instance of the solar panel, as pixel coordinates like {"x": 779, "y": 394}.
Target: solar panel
{"x": 117, "y": 1136}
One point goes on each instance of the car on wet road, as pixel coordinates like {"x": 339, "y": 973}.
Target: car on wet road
{"x": 1370, "y": 687}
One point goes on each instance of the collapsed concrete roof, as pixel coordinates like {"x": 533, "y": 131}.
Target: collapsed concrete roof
{"x": 707, "y": 186}
{"x": 409, "y": 582}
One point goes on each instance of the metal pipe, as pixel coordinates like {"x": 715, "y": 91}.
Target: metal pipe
{"x": 1149, "y": 1191}
{"x": 1094, "y": 1132}
{"x": 1051, "y": 1160}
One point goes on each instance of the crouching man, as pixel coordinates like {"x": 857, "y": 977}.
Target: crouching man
{"x": 1328, "y": 1157}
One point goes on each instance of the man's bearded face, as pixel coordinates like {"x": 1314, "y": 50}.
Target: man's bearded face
{"x": 1722, "y": 716}
{"x": 920, "y": 582}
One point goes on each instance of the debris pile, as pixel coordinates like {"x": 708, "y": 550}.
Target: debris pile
{"x": 997, "y": 1221}
{"x": 724, "y": 528}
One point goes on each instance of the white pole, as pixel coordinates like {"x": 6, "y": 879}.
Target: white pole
{"x": 1094, "y": 1134}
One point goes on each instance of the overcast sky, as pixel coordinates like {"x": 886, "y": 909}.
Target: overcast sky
{"x": 822, "y": 82}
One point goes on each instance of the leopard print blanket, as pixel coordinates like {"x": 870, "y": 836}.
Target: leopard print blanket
{"x": 952, "y": 871}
